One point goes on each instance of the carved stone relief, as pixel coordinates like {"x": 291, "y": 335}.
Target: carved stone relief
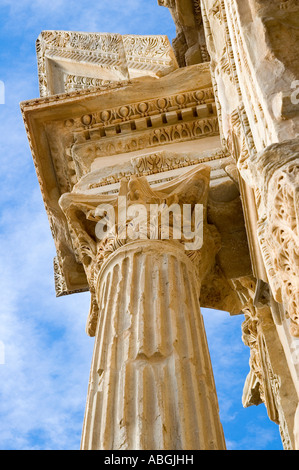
{"x": 247, "y": 129}
{"x": 132, "y": 141}
{"x": 69, "y": 61}
{"x": 277, "y": 178}
{"x": 189, "y": 44}
{"x": 267, "y": 381}
{"x": 68, "y": 159}
{"x": 254, "y": 62}
{"x": 126, "y": 277}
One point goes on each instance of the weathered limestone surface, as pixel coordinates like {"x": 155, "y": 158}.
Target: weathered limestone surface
{"x": 151, "y": 384}
{"x": 70, "y": 61}
{"x": 254, "y": 64}
{"x": 137, "y": 128}
{"x": 190, "y": 43}
{"x": 213, "y": 122}
{"x": 275, "y": 176}
{"x": 267, "y": 381}
{"x": 243, "y": 57}
{"x": 296, "y": 429}
{"x": 152, "y": 133}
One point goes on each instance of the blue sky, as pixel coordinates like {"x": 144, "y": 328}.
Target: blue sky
{"x": 43, "y": 382}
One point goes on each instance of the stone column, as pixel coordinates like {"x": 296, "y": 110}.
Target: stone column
{"x": 151, "y": 380}
{"x": 151, "y": 384}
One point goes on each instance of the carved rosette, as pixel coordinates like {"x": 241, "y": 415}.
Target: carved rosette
{"x": 151, "y": 383}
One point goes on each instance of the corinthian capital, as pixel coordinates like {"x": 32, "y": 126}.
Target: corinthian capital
{"x": 174, "y": 213}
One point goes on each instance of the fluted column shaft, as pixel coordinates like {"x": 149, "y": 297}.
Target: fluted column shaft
{"x": 151, "y": 384}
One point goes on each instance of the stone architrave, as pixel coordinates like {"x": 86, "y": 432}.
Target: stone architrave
{"x": 151, "y": 383}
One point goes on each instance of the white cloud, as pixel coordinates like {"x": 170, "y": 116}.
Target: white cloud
{"x": 47, "y": 353}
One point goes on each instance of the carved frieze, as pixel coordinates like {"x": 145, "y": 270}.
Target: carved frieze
{"x": 162, "y": 166}
{"x": 85, "y": 154}
{"x": 69, "y": 61}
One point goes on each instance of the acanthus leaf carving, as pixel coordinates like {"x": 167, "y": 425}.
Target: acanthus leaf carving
{"x": 81, "y": 213}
